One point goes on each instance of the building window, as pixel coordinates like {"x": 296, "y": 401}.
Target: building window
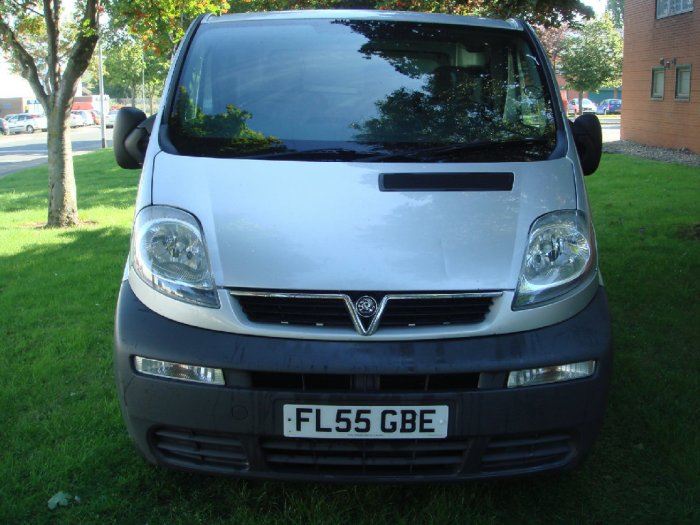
{"x": 683, "y": 82}
{"x": 666, "y": 8}
{"x": 658, "y": 75}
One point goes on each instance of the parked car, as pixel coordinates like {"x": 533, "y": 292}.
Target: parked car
{"x": 88, "y": 119}
{"x": 588, "y": 106}
{"x": 109, "y": 119}
{"x": 4, "y": 127}
{"x": 610, "y": 106}
{"x": 343, "y": 267}
{"x": 27, "y": 123}
{"x": 77, "y": 119}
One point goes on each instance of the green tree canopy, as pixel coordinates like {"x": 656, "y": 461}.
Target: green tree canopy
{"x": 616, "y": 9}
{"x": 160, "y": 24}
{"x": 553, "y": 39}
{"x": 592, "y": 57}
{"x": 125, "y": 67}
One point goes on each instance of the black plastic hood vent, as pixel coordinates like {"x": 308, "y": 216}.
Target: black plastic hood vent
{"x": 446, "y": 181}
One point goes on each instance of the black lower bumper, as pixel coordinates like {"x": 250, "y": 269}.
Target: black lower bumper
{"x": 237, "y": 429}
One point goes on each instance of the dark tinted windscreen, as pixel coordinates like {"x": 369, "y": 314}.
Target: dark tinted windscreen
{"x": 361, "y": 90}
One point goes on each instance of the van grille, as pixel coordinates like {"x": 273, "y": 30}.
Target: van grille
{"x": 380, "y": 457}
{"x": 436, "y": 312}
{"x": 295, "y": 311}
{"x": 202, "y": 450}
{"x": 339, "y": 310}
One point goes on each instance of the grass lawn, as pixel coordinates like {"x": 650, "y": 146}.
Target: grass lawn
{"x": 60, "y": 427}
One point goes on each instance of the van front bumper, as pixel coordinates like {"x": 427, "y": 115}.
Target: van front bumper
{"x": 237, "y": 429}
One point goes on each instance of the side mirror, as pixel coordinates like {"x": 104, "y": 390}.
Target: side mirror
{"x": 588, "y": 137}
{"x": 130, "y": 138}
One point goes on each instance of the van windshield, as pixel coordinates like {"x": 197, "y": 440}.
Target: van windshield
{"x": 361, "y": 90}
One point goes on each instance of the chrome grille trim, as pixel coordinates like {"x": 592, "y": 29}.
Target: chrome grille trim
{"x": 351, "y": 307}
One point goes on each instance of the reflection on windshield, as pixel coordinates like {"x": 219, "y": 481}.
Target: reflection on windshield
{"x": 458, "y": 114}
{"x": 222, "y": 133}
{"x": 363, "y": 89}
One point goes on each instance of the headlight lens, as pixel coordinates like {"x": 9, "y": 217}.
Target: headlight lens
{"x": 560, "y": 251}
{"x": 169, "y": 254}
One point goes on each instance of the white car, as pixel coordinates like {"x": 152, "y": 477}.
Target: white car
{"x": 374, "y": 263}
{"x": 111, "y": 117}
{"x": 26, "y": 123}
{"x": 588, "y": 106}
{"x": 77, "y": 119}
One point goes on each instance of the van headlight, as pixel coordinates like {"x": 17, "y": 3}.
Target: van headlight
{"x": 168, "y": 253}
{"x": 560, "y": 253}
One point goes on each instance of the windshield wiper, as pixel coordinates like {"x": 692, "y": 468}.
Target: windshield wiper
{"x": 327, "y": 154}
{"x": 448, "y": 151}
{"x": 432, "y": 153}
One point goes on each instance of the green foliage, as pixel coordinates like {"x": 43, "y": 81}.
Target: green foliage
{"x": 553, "y": 39}
{"x": 616, "y": 10}
{"x": 124, "y": 65}
{"x": 30, "y": 28}
{"x": 592, "y": 57}
{"x": 543, "y": 12}
{"x": 160, "y": 24}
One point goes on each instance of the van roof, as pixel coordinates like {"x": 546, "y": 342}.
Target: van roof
{"x": 351, "y": 14}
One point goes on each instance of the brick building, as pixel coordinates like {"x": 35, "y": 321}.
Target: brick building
{"x": 661, "y": 73}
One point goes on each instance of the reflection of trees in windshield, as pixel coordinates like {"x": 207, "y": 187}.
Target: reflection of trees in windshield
{"x": 396, "y": 42}
{"x": 198, "y": 133}
{"x": 456, "y": 114}
{"x": 476, "y": 101}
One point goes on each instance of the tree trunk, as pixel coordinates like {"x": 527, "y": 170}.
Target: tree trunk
{"x": 63, "y": 205}
{"x": 56, "y": 92}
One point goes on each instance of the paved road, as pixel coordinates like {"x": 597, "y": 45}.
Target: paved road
{"x": 23, "y": 150}
{"x": 611, "y": 129}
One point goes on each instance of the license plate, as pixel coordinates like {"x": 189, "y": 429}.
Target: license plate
{"x": 366, "y": 422}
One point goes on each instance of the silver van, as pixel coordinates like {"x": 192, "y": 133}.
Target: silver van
{"x": 362, "y": 250}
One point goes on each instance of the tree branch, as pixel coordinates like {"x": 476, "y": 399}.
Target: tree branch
{"x": 27, "y": 65}
{"x": 80, "y": 54}
{"x": 27, "y": 7}
{"x": 51, "y": 15}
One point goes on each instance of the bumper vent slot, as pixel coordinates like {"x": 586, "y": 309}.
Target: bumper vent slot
{"x": 364, "y": 383}
{"x": 348, "y": 458}
{"x": 216, "y": 452}
{"x": 528, "y": 452}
